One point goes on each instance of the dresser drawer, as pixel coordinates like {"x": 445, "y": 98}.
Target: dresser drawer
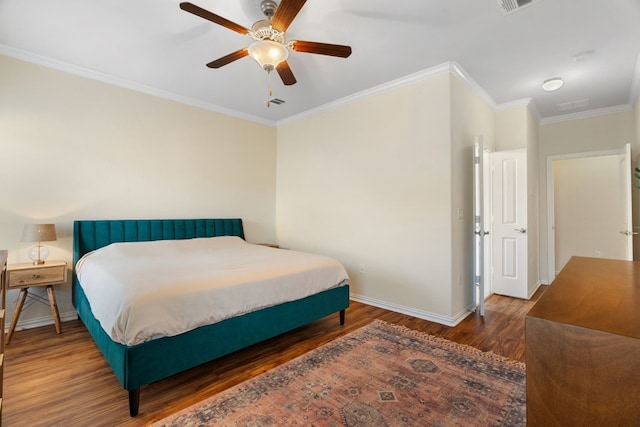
{"x": 36, "y": 275}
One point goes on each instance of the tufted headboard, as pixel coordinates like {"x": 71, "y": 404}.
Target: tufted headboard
{"x": 89, "y": 235}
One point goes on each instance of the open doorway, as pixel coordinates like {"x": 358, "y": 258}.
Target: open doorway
{"x": 589, "y": 206}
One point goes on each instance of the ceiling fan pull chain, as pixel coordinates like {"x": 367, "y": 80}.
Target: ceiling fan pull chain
{"x": 269, "y": 86}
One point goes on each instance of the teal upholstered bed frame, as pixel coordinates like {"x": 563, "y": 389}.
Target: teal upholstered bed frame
{"x": 144, "y": 363}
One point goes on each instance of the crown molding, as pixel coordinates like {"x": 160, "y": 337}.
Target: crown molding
{"x": 463, "y": 76}
{"x": 524, "y": 102}
{"x": 586, "y": 114}
{"x": 117, "y": 81}
{"x": 376, "y": 90}
{"x": 528, "y": 103}
{"x": 451, "y": 67}
{"x": 532, "y": 106}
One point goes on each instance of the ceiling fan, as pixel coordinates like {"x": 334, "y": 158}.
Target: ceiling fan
{"x": 270, "y": 47}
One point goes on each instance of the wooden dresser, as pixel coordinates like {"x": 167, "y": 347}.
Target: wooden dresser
{"x": 582, "y": 347}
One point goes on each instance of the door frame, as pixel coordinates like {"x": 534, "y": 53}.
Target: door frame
{"x": 482, "y": 222}
{"x": 551, "y": 239}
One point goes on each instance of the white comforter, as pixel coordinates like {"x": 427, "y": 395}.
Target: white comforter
{"x": 142, "y": 290}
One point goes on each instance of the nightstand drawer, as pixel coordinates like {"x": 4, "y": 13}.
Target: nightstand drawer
{"x": 36, "y": 275}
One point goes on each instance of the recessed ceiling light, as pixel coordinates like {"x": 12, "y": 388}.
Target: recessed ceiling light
{"x": 552, "y": 84}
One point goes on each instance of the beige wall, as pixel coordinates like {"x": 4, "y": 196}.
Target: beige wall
{"x": 370, "y": 183}
{"x": 604, "y": 132}
{"x": 74, "y": 148}
{"x": 470, "y": 116}
{"x": 512, "y": 130}
{"x": 378, "y": 183}
{"x": 599, "y": 133}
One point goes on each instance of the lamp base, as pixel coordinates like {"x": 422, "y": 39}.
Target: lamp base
{"x": 38, "y": 254}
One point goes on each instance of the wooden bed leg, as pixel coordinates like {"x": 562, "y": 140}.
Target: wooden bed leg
{"x": 134, "y": 401}
{"x": 342, "y": 317}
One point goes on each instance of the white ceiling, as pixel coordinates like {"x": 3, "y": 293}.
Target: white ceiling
{"x": 154, "y": 46}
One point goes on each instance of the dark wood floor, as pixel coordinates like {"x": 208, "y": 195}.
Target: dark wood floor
{"x": 56, "y": 380}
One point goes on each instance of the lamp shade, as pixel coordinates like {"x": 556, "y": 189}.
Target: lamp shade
{"x": 39, "y": 233}
{"x": 268, "y": 53}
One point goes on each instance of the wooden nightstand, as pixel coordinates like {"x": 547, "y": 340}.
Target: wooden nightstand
{"x": 24, "y": 276}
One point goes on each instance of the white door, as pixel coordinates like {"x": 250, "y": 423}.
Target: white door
{"x": 627, "y": 220}
{"x": 480, "y": 254}
{"x": 488, "y": 196}
{"x": 509, "y": 228}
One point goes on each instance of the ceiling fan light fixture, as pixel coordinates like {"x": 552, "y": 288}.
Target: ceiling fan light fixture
{"x": 552, "y": 84}
{"x": 269, "y": 48}
{"x": 268, "y": 53}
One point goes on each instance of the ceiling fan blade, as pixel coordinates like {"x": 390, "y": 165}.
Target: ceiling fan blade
{"x": 286, "y": 74}
{"x": 322, "y": 48}
{"x": 227, "y": 59}
{"x": 285, "y": 13}
{"x": 210, "y": 16}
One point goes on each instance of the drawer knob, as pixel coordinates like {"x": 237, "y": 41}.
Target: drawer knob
{"x": 36, "y": 276}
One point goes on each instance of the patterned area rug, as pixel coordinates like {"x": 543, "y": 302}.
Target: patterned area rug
{"x": 379, "y": 375}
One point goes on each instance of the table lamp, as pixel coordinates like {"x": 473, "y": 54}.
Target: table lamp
{"x": 39, "y": 233}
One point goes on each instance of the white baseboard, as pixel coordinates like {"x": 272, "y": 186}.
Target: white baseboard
{"x": 424, "y": 315}
{"x": 42, "y": 321}
{"x": 535, "y": 289}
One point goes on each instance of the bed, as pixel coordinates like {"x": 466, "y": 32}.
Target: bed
{"x": 143, "y": 363}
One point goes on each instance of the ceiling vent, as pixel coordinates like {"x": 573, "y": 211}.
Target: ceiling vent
{"x": 276, "y": 101}
{"x": 510, "y": 6}
{"x": 573, "y": 105}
